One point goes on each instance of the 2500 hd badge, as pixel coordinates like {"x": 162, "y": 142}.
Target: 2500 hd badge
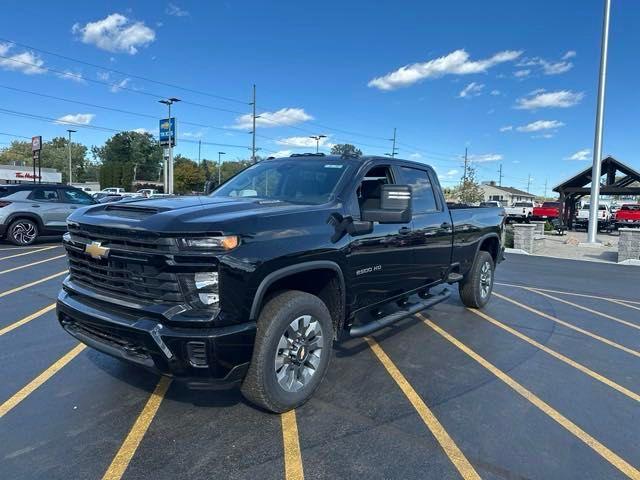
{"x": 250, "y": 285}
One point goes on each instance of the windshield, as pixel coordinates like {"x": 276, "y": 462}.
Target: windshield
{"x": 522, "y": 204}
{"x": 635, "y": 208}
{"x": 292, "y": 180}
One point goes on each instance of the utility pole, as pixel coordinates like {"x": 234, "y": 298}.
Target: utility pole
{"x": 199, "y": 147}
{"x": 596, "y": 169}
{"x": 69, "y": 144}
{"x": 500, "y": 178}
{"x": 220, "y": 167}
{"x": 466, "y": 164}
{"x": 394, "y": 150}
{"x": 545, "y": 188}
{"x": 528, "y": 183}
{"x": 253, "y": 132}
{"x": 317, "y": 139}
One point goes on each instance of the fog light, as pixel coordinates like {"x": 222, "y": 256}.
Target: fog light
{"x": 206, "y": 279}
{"x": 209, "y": 298}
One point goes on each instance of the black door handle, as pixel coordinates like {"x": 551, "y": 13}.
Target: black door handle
{"x": 36, "y": 206}
{"x": 404, "y": 231}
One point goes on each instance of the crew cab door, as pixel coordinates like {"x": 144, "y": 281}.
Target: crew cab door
{"x": 380, "y": 261}
{"x": 432, "y": 234}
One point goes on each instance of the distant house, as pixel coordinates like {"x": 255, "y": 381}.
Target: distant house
{"x": 508, "y": 195}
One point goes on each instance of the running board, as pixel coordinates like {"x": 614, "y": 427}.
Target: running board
{"x": 372, "y": 326}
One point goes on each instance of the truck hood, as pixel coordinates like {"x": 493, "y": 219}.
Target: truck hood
{"x": 193, "y": 214}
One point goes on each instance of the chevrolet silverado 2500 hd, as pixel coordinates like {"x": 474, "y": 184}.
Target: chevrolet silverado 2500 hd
{"x": 253, "y": 283}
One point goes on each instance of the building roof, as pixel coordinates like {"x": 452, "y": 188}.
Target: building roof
{"x": 609, "y": 163}
{"x": 511, "y": 190}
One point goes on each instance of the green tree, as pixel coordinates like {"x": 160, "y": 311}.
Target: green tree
{"x": 469, "y": 190}
{"x": 346, "y": 149}
{"x": 188, "y": 177}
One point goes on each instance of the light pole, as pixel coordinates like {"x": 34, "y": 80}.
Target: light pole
{"x": 69, "y": 143}
{"x": 220, "y": 166}
{"x": 317, "y": 139}
{"x": 596, "y": 170}
{"x": 168, "y": 102}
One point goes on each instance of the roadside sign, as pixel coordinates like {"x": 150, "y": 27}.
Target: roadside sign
{"x": 168, "y": 131}
{"x": 36, "y": 144}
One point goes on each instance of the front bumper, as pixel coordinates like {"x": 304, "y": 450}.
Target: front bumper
{"x": 203, "y": 357}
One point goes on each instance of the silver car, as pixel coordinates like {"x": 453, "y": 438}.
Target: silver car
{"x": 30, "y": 210}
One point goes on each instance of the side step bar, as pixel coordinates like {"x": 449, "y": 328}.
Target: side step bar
{"x": 370, "y": 327}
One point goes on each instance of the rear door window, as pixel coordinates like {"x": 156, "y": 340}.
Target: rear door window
{"x": 44, "y": 195}
{"x": 76, "y": 197}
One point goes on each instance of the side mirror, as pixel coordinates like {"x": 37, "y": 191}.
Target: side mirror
{"x": 395, "y": 206}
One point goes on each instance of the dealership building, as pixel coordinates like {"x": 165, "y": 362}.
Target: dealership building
{"x": 16, "y": 174}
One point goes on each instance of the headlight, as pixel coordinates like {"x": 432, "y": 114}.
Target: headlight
{"x": 227, "y": 242}
{"x": 203, "y": 288}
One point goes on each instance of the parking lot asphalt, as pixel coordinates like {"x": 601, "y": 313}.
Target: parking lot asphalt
{"x": 542, "y": 383}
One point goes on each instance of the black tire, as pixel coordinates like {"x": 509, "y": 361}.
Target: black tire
{"x": 261, "y": 385}
{"x": 475, "y": 292}
{"x": 23, "y": 232}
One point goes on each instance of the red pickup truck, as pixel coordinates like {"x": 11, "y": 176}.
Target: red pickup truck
{"x": 547, "y": 211}
{"x": 628, "y": 216}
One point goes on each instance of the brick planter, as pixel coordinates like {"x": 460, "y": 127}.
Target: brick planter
{"x": 539, "y": 226}
{"x": 525, "y": 237}
{"x": 629, "y": 244}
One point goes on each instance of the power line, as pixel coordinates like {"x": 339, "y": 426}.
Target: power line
{"x": 115, "y": 85}
{"x": 119, "y": 72}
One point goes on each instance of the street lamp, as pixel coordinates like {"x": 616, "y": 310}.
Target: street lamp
{"x": 317, "y": 139}
{"x": 169, "y": 168}
{"x": 220, "y": 165}
{"x": 70, "y": 132}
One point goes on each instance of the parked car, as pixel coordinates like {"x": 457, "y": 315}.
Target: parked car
{"x": 148, "y": 192}
{"x": 546, "y": 211}
{"x": 604, "y": 216}
{"x": 628, "y": 216}
{"x": 28, "y": 211}
{"x": 253, "y": 283}
{"x": 116, "y": 190}
{"x": 520, "y": 211}
{"x": 492, "y": 204}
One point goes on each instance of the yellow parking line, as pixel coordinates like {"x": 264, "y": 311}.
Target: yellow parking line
{"x": 31, "y": 284}
{"x": 525, "y": 287}
{"x": 595, "y": 312}
{"x": 30, "y": 264}
{"x": 547, "y": 409}
{"x": 559, "y": 356}
{"x": 446, "y": 442}
{"x": 28, "y": 389}
{"x": 29, "y": 252}
{"x": 293, "y": 469}
{"x": 570, "y": 326}
{"x": 128, "y": 448}
{"x": 26, "y": 319}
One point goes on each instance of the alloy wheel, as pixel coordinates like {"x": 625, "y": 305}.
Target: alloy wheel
{"x": 486, "y": 278}
{"x": 24, "y": 232}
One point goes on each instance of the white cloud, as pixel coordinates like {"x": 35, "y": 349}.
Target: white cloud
{"x": 415, "y": 156}
{"x": 282, "y": 153}
{"x": 76, "y": 118}
{"x": 521, "y": 73}
{"x": 26, "y": 62}
{"x": 455, "y": 63}
{"x": 141, "y": 130}
{"x": 583, "y": 154}
{"x": 549, "y": 67}
{"x": 495, "y": 93}
{"x": 115, "y": 33}
{"x": 304, "y": 142}
{"x": 175, "y": 11}
{"x": 544, "y": 135}
{"x": 450, "y": 173}
{"x": 73, "y": 76}
{"x": 539, "y": 125}
{"x": 282, "y": 117}
{"x": 197, "y": 134}
{"x": 116, "y": 87}
{"x": 506, "y": 128}
{"x": 542, "y": 99}
{"x": 486, "y": 157}
{"x": 472, "y": 90}
{"x": 104, "y": 76}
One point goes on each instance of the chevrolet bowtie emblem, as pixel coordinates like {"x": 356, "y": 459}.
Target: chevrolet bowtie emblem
{"x": 96, "y": 250}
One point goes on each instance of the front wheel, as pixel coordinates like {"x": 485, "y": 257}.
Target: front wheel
{"x": 291, "y": 353}
{"x": 475, "y": 289}
{"x": 22, "y": 232}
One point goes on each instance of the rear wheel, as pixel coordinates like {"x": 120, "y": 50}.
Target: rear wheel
{"x": 291, "y": 353}
{"x": 22, "y": 232}
{"x": 475, "y": 289}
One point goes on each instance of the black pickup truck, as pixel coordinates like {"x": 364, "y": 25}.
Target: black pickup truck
{"x": 255, "y": 282}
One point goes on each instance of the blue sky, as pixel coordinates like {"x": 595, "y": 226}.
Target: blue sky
{"x": 515, "y": 82}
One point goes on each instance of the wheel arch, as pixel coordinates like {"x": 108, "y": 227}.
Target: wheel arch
{"x": 26, "y": 215}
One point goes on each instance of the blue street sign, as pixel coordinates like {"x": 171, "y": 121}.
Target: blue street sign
{"x": 168, "y": 130}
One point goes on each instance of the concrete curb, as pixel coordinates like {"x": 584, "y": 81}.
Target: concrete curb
{"x": 519, "y": 251}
